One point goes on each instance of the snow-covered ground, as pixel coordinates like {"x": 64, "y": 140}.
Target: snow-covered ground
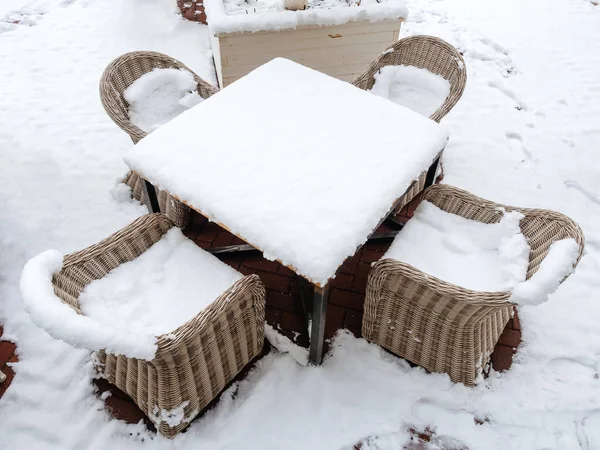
{"x": 526, "y": 132}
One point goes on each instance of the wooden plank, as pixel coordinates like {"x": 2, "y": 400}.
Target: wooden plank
{"x": 321, "y": 61}
{"x": 290, "y": 37}
{"x": 315, "y": 63}
{"x": 277, "y": 45}
{"x": 308, "y": 30}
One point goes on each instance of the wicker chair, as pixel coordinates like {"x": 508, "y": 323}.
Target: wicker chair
{"x": 438, "y": 325}
{"x": 117, "y": 77}
{"x": 425, "y": 52}
{"x": 194, "y": 362}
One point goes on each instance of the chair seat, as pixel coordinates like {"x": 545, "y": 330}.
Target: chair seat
{"x": 465, "y": 252}
{"x": 160, "y": 290}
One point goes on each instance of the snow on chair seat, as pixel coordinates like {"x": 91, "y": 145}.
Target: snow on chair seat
{"x": 426, "y": 53}
{"x": 171, "y": 325}
{"x": 433, "y": 300}
{"x": 118, "y": 76}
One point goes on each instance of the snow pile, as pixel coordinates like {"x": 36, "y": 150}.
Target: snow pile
{"x": 62, "y": 322}
{"x": 413, "y": 87}
{"x": 172, "y": 417}
{"x": 234, "y": 16}
{"x": 167, "y": 285}
{"x": 285, "y": 345}
{"x": 314, "y": 216}
{"x": 557, "y": 264}
{"x": 159, "y": 96}
{"x": 467, "y": 253}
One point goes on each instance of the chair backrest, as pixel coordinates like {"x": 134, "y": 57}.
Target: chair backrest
{"x": 425, "y": 52}
{"x": 127, "y": 68}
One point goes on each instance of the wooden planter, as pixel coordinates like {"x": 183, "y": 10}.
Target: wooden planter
{"x": 339, "y": 41}
{"x": 342, "y": 51}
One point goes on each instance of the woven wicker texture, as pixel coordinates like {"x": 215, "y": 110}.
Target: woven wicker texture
{"x": 206, "y": 353}
{"x": 425, "y": 52}
{"x": 438, "y": 325}
{"x": 117, "y": 77}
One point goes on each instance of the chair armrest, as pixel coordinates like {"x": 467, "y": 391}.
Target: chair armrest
{"x": 63, "y": 321}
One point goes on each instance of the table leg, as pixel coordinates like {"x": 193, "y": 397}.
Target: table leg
{"x": 430, "y": 179}
{"x": 317, "y": 333}
{"x": 151, "y": 198}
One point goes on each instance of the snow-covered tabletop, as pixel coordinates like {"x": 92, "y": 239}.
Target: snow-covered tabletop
{"x": 298, "y": 164}
{"x": 235, "y": 16}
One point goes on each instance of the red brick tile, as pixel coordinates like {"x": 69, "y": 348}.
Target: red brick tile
{"x": 502, "y": 358}
{"x": 232, "y": 262}
{"x": 515, "y": 323}
{"x": 347, "y": 299}
{"x": 370, "y": 256}
{"x": 273, "y": 316}
{"x": 246, "y": 270}
{"x": 293, "y": 322}
{"x": 360, "y": 280}
{"x": 10, "y": 375}
{"x": 353, "y": 319}
{"x": 189, "y": 14}
{"x": 343, "y": 281}
{"x": 258, "y": 262}
{"x": 7, "y": 349}
{"x": 210, "y": 228}
{"x": 285, "y": 302}
{"x": 282, "y": 270}
{"x": 274, "y": 282}
{"x": 201, "y": 18}
{"x": 237, "y": 241}
{"x": 355, "y": 331}
{"x": 349, "y": 266}
{"x": 197, "y": 220}
{"x": 223, "y": 238}
{"x": 510, "y": 338}
{"x": 191, "y": 233}
{"x": 335, "y": 320}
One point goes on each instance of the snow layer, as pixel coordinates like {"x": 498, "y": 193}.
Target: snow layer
{"x": 525, "y": 133}
{"x": 159, "y": 96}
{"x": 167, "y": 285}
{"x": 467, "y": 253}
{"x": 235, "y": 16}
{"x": 62, "y": 322}
{"x": 288, "y": 190}
{"x": 285, "y": 345}
{"x": 557, "y": 264}
{"x": 413, "y": 87}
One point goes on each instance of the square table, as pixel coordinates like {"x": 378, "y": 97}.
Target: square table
{"x": 301, "y": 166}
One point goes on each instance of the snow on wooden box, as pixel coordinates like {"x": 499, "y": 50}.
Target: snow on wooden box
{"x": 337, "y": 40}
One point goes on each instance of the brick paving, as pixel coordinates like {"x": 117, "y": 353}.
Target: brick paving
{"x": 192, "y": 10}
{"x": 7, "y": 355}
{"x": 284, "y": 304}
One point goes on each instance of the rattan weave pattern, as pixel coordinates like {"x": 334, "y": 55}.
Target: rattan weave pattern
{"x": 117, "y": 77}
{"x": 194, "y": 362}
{"x": 425, "y": 52}
{"x": 438, "y": 325}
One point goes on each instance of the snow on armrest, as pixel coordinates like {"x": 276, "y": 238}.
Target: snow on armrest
{"x": 62, "y": 322}
{"x": 557, "y": 264}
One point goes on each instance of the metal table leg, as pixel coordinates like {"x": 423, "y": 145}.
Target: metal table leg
{"x": 317, "y": 334}
{"x": 152, "y": 199}
{"x": 430, "y": 179}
